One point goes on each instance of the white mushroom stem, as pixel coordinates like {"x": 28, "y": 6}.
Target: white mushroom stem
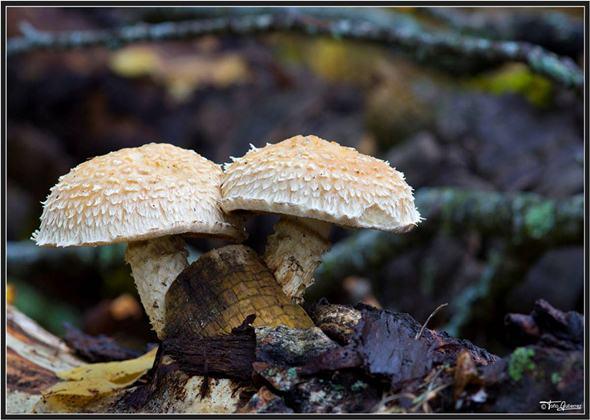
{"x": 294, "y": 251}
{"x": 155, "y": 264}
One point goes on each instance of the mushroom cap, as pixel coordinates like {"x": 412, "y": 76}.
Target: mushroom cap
{"x": 314, "y": 178}
{"x": 135, "y": 194}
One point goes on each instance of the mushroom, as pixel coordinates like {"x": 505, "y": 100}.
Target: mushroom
{"x": 313, "y": 183}
{"x": 145, "y": 196}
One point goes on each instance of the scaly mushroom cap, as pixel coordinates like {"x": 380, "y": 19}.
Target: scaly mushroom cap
{"x": 135, "y": 194}
{"x": 311, "y": 177}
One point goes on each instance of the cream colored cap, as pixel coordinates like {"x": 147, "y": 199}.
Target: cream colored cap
{"x": 135, "y": 194}
{"x": 314, "y": 178}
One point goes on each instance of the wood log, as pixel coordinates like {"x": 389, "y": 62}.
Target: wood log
{"x": 357, "y": 359}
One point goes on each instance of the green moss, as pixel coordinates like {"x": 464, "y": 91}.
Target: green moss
{"x": 555, "y": 378}
{"x": 337, "y": 61}
{"x": 520, "y": 362}
{"x": 358, "y": 386}
{"x": 539, "y": 219}
{"x": 292, "y": 373}
{"x": 518, "y": 79}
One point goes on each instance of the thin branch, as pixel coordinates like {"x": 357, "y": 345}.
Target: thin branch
{"x": 376, "y": 16}
{"x": 556, "y": 31}
{"x": 437, "y": 310}
{"x": 424, "y": 46}
{"x": 525, "y": 220}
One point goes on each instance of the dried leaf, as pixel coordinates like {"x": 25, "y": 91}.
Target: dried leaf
{"x": 10, "y": 293}
{"x": 87, "y": 383}
{"x": 465, "y": 372}
{"x": 183, "y": 75}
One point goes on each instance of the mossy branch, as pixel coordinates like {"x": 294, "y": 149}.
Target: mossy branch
{"x": 559, "y": 32}
{"x": 525, "y": 220}
{"x": 428, "y": 47}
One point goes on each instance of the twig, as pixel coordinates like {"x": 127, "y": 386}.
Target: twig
{"x": 421, "y": 45}
{"x": 556, "y": 31}
{"x": 526, "y": 220}
{"x": 523, "y": 219}
{"x": 375, "y": 16}
{"x": 439, "y": 307}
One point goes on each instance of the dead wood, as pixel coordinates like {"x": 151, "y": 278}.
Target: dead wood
{"x": 227, "y": 356}
{"x": 357, "y": 359}
{"x": 223, "y": 287}
{"x": 547, "y": 325}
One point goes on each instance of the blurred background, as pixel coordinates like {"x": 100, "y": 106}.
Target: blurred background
{"x": 446, "y": 121}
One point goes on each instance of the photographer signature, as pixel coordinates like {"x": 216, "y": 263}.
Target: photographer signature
{"x": 558, "y": 406}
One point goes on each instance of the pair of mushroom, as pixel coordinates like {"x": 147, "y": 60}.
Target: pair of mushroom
{"x": 151, "y": 195}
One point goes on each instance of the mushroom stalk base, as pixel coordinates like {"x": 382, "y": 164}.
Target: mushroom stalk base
{"x": 294, "y": 251}
{"x": 155, "y": 264}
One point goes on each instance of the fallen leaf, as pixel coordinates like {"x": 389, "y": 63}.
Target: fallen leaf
{"x": 181, "y": 74}
{"x": 87, "y": 383}
{"x": 10, "y": 293}
{"x": 465, "y": 372}
{"x": 135, "y": 62}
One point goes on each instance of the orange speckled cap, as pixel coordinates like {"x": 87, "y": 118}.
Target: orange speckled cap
{"x": 135, "y": 194}
{"x": 306, "y": 176}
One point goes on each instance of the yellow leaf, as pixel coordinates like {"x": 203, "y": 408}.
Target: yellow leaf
{"x": 10, "y": 293}
{"x": 87, "y": 383}
{"x": 135, "y": 61}
{"x": 183, "y": 75}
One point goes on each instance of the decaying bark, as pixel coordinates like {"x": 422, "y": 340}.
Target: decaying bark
{"x": 155, "y": 264}
{"x": 216, "y": 293}
{"x": 548, "y": 366}
{"x": 357, "y": 359}
{"x": 167, "y": 388}
{"x": 96, "y": 349}
{"x": 206, "y": 360}
{"x": 294, "y": 251}
{"x": 229, "y": 355}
